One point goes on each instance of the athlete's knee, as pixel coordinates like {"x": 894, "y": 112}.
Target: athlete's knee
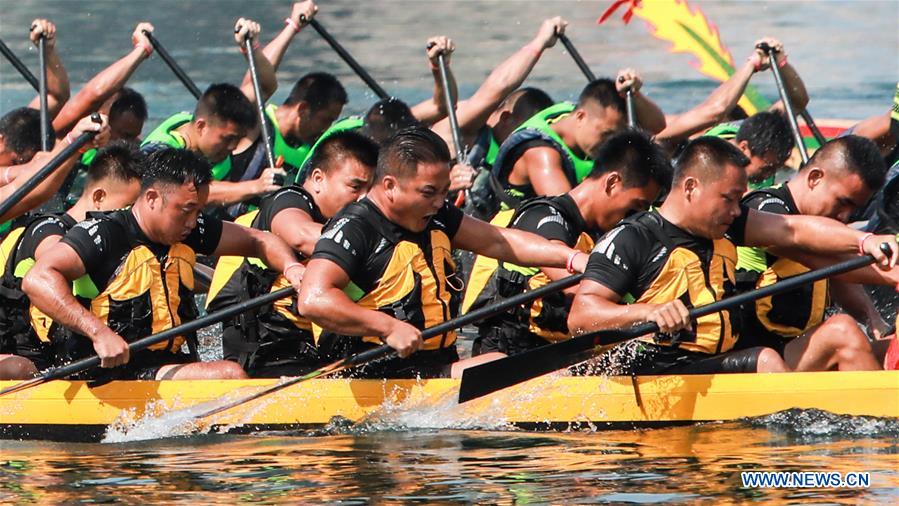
{"x": 768, "y": 360}
{"x": 227, "y": 369}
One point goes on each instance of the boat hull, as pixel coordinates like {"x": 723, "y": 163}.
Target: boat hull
{"x": 72, "y": 411}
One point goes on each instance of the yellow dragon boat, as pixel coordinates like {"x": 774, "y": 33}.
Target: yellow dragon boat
{"x": 70, "y": 410}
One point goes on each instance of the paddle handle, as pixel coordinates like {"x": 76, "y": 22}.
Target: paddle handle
{"x": 577, "y": 57}
{"x": 631, "y": 109}
{"x": 176, "y": 69}
{"x": 52, "y": 165}
{"x": 788, "y": 106}
{"x": 450, "y": 108}
{"x": 17, "y": 63}
{"x": 348, "y": 58}
{"x": 260, "y": 102}
{"x": 822, "y": 140}
{"x": 46, "y": 137}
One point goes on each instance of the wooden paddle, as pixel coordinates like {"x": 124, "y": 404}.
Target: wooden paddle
{"x": 487, "y": 378}
{"x": 347, "y": 57}
{"x": 142, "y": 344}
{"x": 788, "y": 105}
{"x": 384, "y": 350}
{"x": 179, "y": 72}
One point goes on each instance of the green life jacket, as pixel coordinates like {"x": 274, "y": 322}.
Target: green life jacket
{"x": 728, "y": 132}
{"x": 88, "y": 157}
{"x": 350, "y": 123}
{"x": 166, "y": 133}
{"x": 485, "y": 149}
{"x": 539, "y": 126}
{"x": 293, "y": 156}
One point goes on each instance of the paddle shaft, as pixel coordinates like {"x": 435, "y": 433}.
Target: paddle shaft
{"x": 142, "y": 344}
{"x": 42, "y": 93}
{"x": 450, "y": 108}
{"x": 788, "y": 105}
{"x": 260, "y": 102}
{"x": 348, "y": 58}
{"x": 385, "y": 350}
{"x": 46, "y": 170}
{"x": 17, "y": 63}
{"x": 577, "y": 57}
{"x": 487, "y": 378}
{"x": 813, "y": 127}
{"x": 179, "y": 72}
{"x": 631, "y": 109}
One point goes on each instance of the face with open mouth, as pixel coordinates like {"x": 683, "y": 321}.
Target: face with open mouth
{"x": 416, "y": 199}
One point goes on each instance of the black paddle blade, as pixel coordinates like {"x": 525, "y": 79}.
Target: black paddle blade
{"x": 484, "y": 379}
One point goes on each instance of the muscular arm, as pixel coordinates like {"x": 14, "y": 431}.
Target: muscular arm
{"x": 238, "y": 240}
{"x": 649, "y": 115}
{"x": 46, "y": 189}
{"x": 323, "y": 301}
{"x": 877, "y": 128}
{"x": 434, "y": 109}
{"x": 57, "y": 84}
{"x": 268, "y": 82}
{"x": 812, "y": 234}
{"x": 596, "y": 307}
{"x": 510, "y": 245}
{"x": 710, "y": 112}
{"x": 542, "y": 168}
{"x": 297, "y": 229}
{"x": 795, "y": 90}
{"x": 226, "y": 192}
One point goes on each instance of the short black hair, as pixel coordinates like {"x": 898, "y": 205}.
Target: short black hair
{"x": 636, "y": 157}
{"x": 528, "y": 102}
{"x": 120, "y": 160}
{"x": 344, "y": 144}
{"x": 604, "y": 93}
{"x": 21, "y": 130}
{"x": 767, "y": 132}
{"x": 856, "y": 155}
{"x": 129, "y": 100}
{"x": 386, "y": 118}
{"x": 226, "y": 102}
{"x": 176, "y": 167}
{"x": 402, "y": 153}
{"x": 318, "y": 89}
{"x": 704, "y": 157}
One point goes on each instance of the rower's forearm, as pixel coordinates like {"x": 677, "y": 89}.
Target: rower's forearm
{"x": 649, "y": 115}
{"x": 590, "y": 312}
{"x": 45, "y": 190}
{"x": 268, "y": 82}
{"x": 58, "y": 91}
{"x": 332, "y": 310}
{"x": 825, "y": 236}
{"x": 226, "y": 192}
{"x": 725, "y": 98}
{"x": 273, "y": 251}
{"x": 527, "y": 249}
{"x": 274, "y": 51}
{"x": 50, "y": 292}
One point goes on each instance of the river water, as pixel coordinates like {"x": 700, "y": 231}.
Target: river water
{"x": 848, "y": 53}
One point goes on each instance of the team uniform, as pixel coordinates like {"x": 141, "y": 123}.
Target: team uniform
{"x": 137, "y": 288}
{"x": 272, "y": 340}
{"x": 647, "y": 259}
{"x": 543, "y": 321}
{"x": 409, "y": 276}
{"x": 774, "y": 321}
{"x": 24, "y": 330}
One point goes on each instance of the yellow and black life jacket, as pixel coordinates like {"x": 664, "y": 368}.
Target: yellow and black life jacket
{"x": 414, "y": 286}
{"x": 697, "y": 282}
{"x": 492, "y": 281}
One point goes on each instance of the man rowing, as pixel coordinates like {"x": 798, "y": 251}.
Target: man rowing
{"x": 629, "y": 173}
{"x": 113, "y": 182}
{"x": 124, "y": 276}
{"x": 765, "y": 139}
{"x": 222, "y": 117}
{"x": 383, "y": 267}
{"x": 276, "y": 341}
{"x": 656, "y": 264}
{"x": 552, "y": 152}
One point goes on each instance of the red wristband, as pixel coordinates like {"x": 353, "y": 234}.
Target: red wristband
{"x": 861, "y": 243}
{"x": 569, "y": 265}
{"x": 782, "y": 62}
{"x": 293, "y": 24}
{"x": 756, "y": 61}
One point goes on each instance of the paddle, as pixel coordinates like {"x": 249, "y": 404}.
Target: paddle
{"x": 487, "y": 378}
{"x": 451, "y": 115}
{"x": 142, "y": 344}
{"x": 788, "y": 106}
{"x": 577, "y": 57}
{"x": 813, "y": 127}
{"x": 384, "y": 350}
{"x": 46, "y": 170}
{"x": 42, "y": 92}
{"x": 260, "y": 102}
{"x": 379, "y": 91}
{"x": 179, "y": 72}
{"x": 17, "y": 63}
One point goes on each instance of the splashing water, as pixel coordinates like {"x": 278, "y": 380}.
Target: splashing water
{"x": 815, "y": 423}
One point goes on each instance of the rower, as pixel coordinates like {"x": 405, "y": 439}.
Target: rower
{"x": 629, "y": 173}
{"x": 551, "y": 152}
{"x": 839, "y": 178}
{"x": 383, "y": 267}
{"x": 498, "y": 107}
{"x": 113, "y": 182}
{"x": 764, "y": 138}
{"x": 678, "y": 255}
{"x": 721, "y": 104}
{"x": 133, "y": 272}
{"x": 58, "y": 91}
{"x": 273, "y": 342}
{"x": 222, "y": 117}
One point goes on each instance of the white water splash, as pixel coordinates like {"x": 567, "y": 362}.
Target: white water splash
{"x": 815, "y": 423}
